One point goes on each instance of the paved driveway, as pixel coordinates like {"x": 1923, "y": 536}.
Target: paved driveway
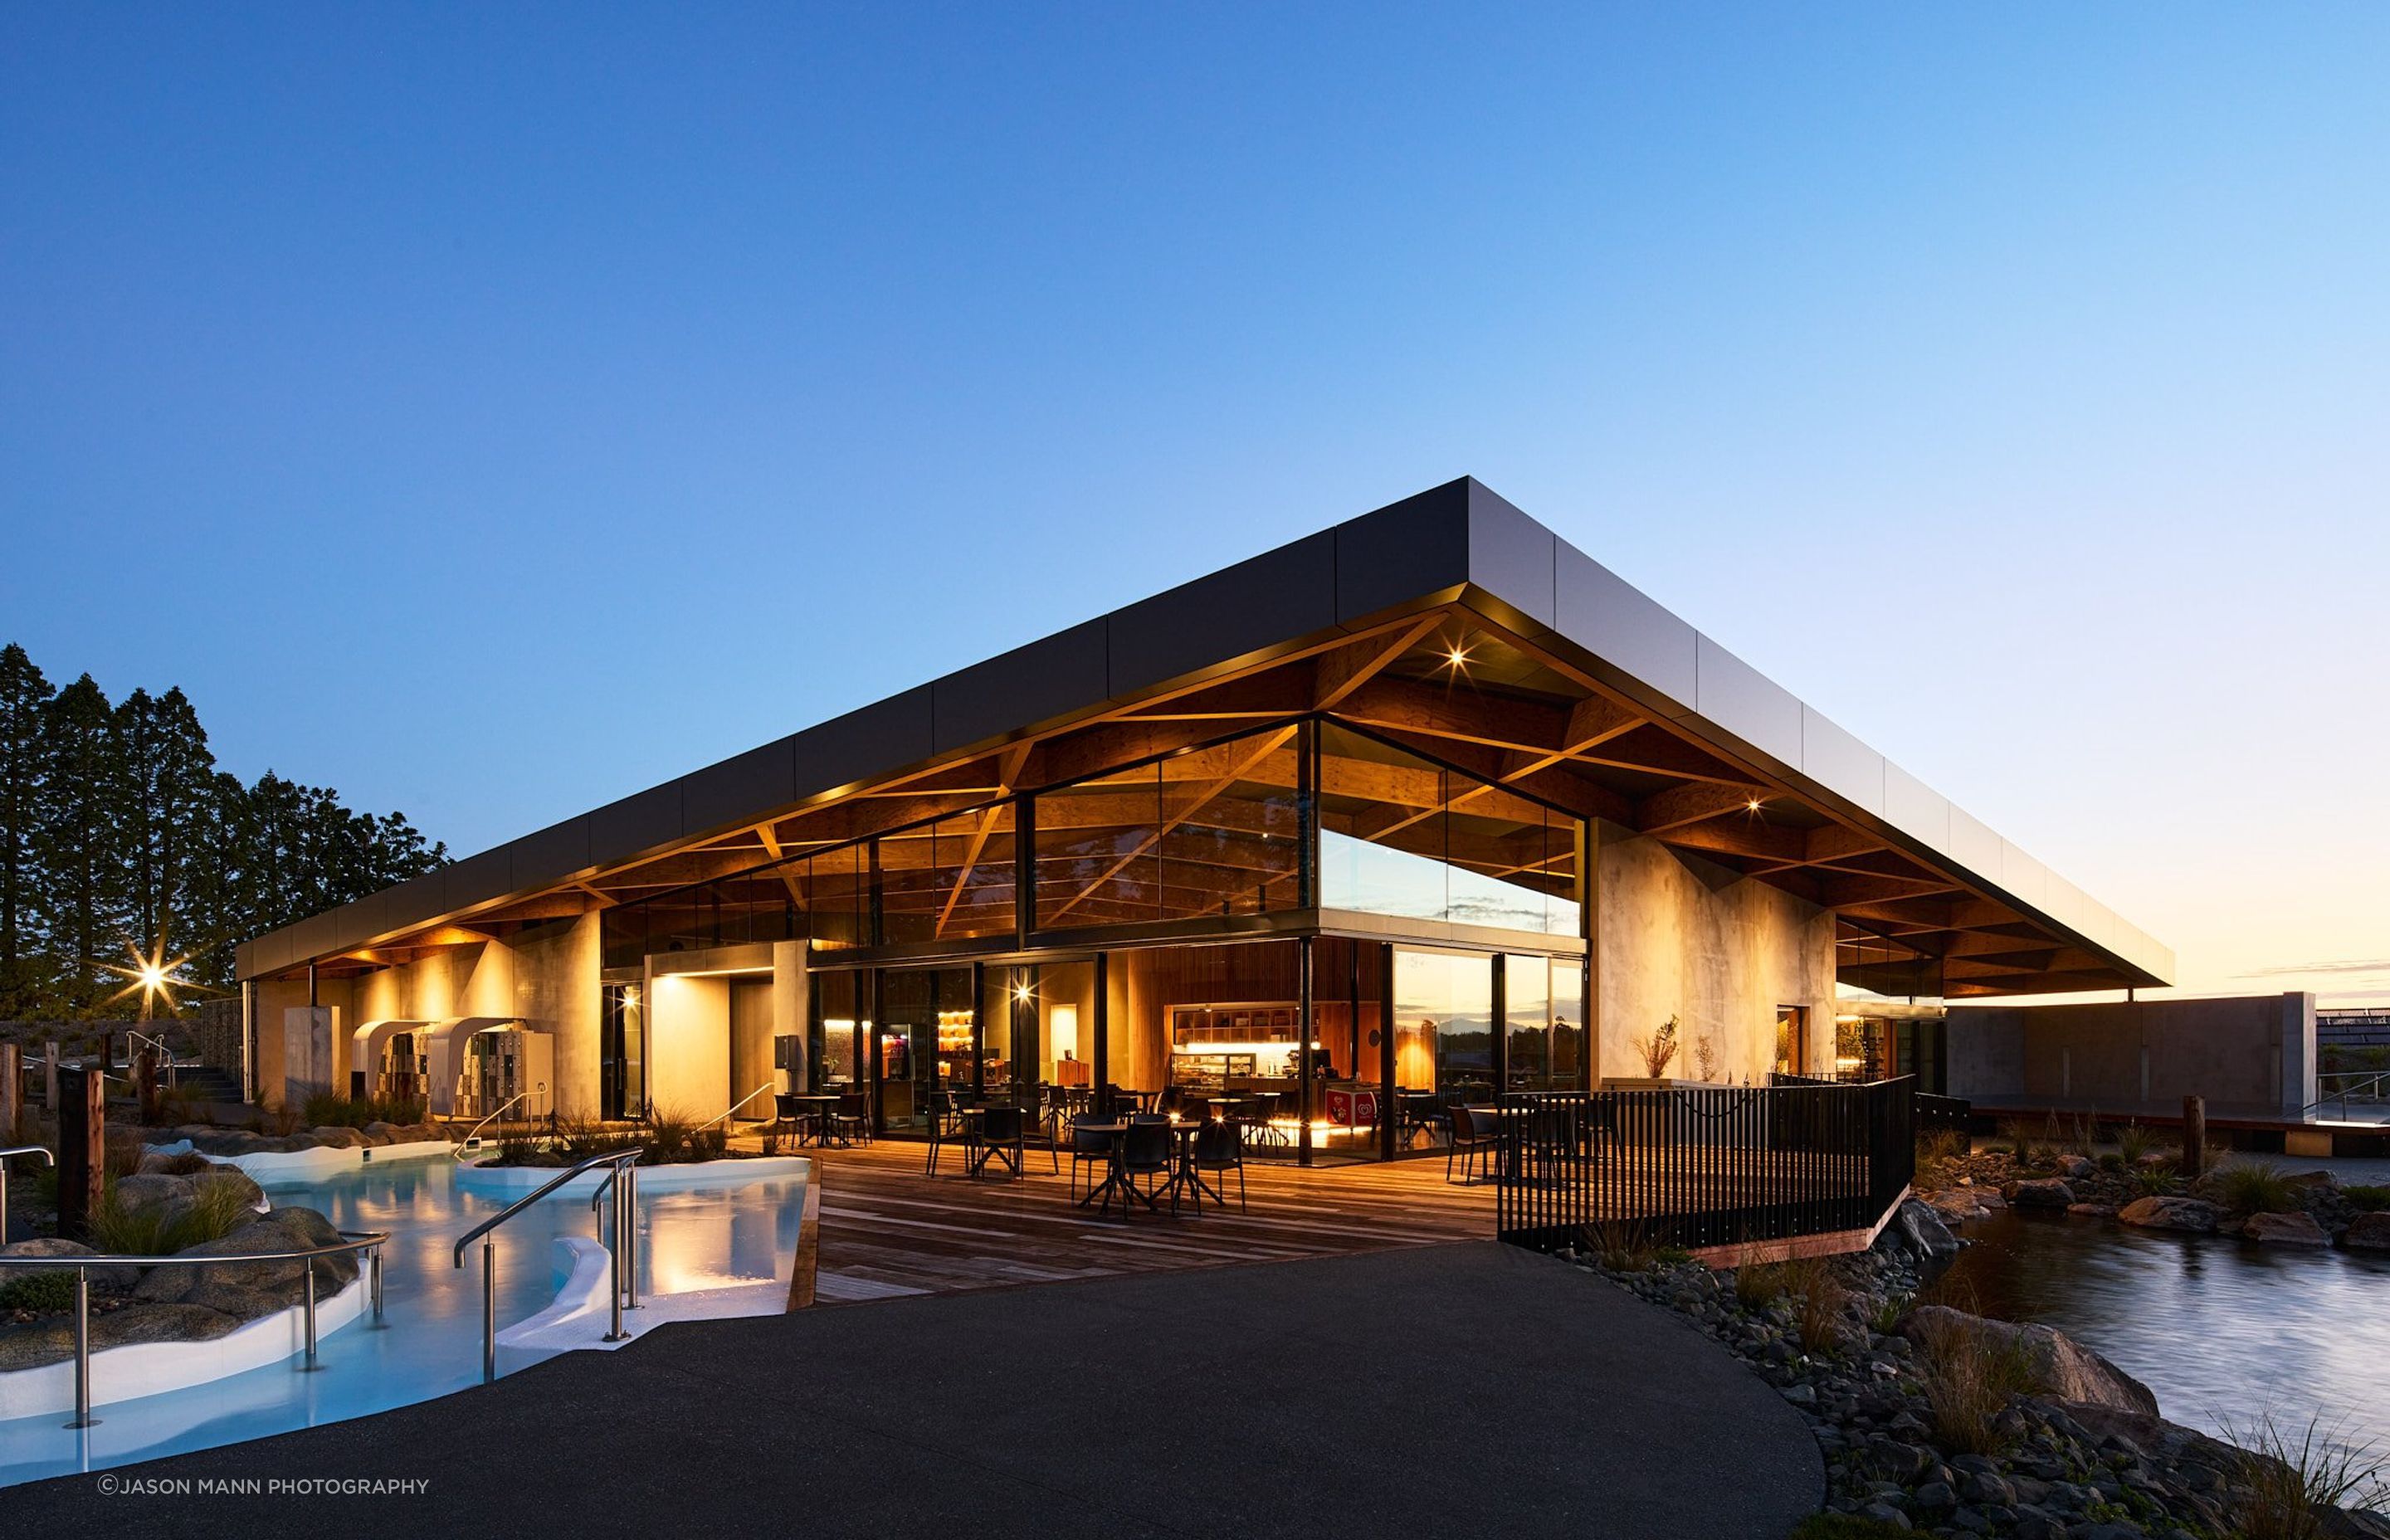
{"x": 1443, "y": 1392}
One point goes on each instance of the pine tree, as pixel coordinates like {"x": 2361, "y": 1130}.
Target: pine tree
{"x": 82, "y": 880}
{"x": 165, "y": 778}
{"x": 117, "y": 830}
{"x": 24, "y": 697}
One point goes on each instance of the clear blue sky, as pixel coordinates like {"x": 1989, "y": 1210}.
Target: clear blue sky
{"x": 490, "y": 411}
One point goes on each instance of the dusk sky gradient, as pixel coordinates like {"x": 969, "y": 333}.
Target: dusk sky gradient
{"x": 492, "y": 411}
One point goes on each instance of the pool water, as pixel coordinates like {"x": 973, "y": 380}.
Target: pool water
{"x": 2224, "y": 1331}
{"x": 430, "y": 1343}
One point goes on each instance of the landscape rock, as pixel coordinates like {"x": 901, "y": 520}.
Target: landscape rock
{"x": 2285, "y": 1229}
{"x": 51, "y": 1246}
{"x": 2367, "y": 1232}
{"x": 1918, "y": 1228}
{"x": 2313, "y": 1179}
{"x": 2039, "y": 1192}
{"x": 2092, "y": 1210}
{"x": 248, "y": 1290}
{"x": 136, "y": 1194}
{"x": 2075, "y": 1167}
{"x": 2059, "y": 1366}
{"x": 334, "y": 1136}
{"x": 159, "y": 1323}
{"x": 2195, "y": 1215}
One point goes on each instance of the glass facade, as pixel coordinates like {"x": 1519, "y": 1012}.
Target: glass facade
{"x": 1213, "y": 831}
{"x": 1301, "y": 815}
{"x": 1402, "y": 836}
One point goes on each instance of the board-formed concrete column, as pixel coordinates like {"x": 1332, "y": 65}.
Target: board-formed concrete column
{"x": 315, "y": 1053}
{"x": 792, "y": 1006}
{"x": 2297, "y": 1088}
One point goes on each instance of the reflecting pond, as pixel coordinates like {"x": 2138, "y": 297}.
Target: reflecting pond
{"x": 2223, "y": 1330}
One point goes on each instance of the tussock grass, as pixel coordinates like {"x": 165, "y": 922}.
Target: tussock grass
{"x": 1941, "y": 1146}
{"x": 2256, "y": 1186}
{"x": 1968, "y": 1383}
{"x": 2155, "y": 1182}
{"x": 2134, "y": 1141}
{"x": 2288, "y": 1480}
{"x": 158, "y": 1229}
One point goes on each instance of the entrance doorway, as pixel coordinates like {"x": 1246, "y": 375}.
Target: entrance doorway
{"x": 1791, "y": 1040}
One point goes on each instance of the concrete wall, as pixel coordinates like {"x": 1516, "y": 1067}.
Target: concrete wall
{"x": 2251, "y": 1053}
{"x": 547, "y": 978}
{"x": 1676, "y": 935}
{"x": 688, "y": 1043}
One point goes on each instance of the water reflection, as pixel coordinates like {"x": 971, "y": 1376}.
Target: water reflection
{"x": 2223, "y": 1331}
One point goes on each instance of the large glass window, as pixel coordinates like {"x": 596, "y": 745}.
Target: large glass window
{"x": 1211, "y": 831}
{"x": 949, "y": 880}
{"x": 837, "y": 1027}
{"x": 1403, "y": 836}
{"x": 1542, "y": 1023}
{"x": 1444, "y": 1024}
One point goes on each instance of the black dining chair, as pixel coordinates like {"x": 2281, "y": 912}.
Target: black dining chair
{"x": 1090, "y": 1146}
{"x": 1145, "y": 1155}
{"x": 1219, "y": 1149}
{"x": 849, "y": 1121}
{"x": 787, "y": 1114}
{"x": 1473, "y": 1143}
{"x": 946, "y": 1125}
{"x": 999, "y": 1134}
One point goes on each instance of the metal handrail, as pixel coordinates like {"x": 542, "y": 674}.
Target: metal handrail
{"x": 370, "y": 1242}
{"x": 2373, "y": 1078}
{"x": 626, "y": 1219}
{"x": 165, "y": 1054}
{"x": 725, "y": 1114}
{"x": 43, "y": 1151}
{"x": 475, "y": 1132}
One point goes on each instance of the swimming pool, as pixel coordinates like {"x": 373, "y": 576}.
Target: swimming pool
{"x": 691, "y": 1239}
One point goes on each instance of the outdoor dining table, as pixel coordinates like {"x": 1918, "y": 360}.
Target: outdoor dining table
{"x": 822, "y": 1103}
{"x": 1182, "y": 1165}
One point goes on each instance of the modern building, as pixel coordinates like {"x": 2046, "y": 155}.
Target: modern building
{"x": 1419, "y": 806}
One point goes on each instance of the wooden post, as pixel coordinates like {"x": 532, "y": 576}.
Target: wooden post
{"x": 12, "y": 1093}
{"x": 83, "y": 1149}
{"x": 50, "y": 1078}
{"x": 2194, "y": 1136}
{"x": 145, "y": 1084}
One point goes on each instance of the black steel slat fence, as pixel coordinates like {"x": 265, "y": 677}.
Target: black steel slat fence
{"x": 1701, "y": 1166}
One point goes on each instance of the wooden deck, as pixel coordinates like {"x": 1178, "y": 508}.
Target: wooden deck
{"x": 888, "y": 1230}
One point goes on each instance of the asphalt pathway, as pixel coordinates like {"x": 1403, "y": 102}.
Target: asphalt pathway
{"x": 1449, "y": 1391}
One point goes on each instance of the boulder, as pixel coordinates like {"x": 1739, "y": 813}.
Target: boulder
{"x": 2285, "y": 1229}
{"x": 30, "y": 1346}
{"x": 51, "y": 1246}
{"x": 2367, "y": 1232}
{"x": 2092, "y": 1210}
{"x": 1917, "y": 1228}
{"x": 135, "y": 1194}
{"x": 2041, "y": 1192}
{"x": 248, "y": 1290}
{"x": 2149, "y": 1437}
{"x": 2057, "y": 1366}
{"x": 156, "y": 1163}
{"x": 338, "y": 1137}
{"x": 159, "y": 1323}
{"x": 1955, "y": 1204}
{"x": 2075, "y": 1168}
{"x": 381, "y": 1133}
{"x": 2194, "y": 1216}
{"x": 2314, "y": 1179}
